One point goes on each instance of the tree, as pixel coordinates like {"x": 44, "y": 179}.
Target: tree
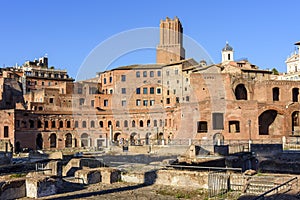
{"x": 275, "y": 71}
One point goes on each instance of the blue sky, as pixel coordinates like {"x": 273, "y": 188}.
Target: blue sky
{"x": 262, "y": 31}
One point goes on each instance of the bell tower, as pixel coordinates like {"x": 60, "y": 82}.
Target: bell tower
{"x": 170, "y": 47}
{"x": 227, "y": 53}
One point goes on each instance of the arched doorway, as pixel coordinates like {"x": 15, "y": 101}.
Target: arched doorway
{"x": 218, "y": 139}
{"x": 116, "y": 138}
{"x": 160, "y": 138}
{"x": 68, "y": 140}
{"x": 18, "y": 147}
{"x": 170, "y": 138}
{"x": 265, "y": 120}
{"x": 133, "y": 138}
{"x": 147, "y": 138}
{"x": 84, "y": 140}
{"x": 39, "y": 142}
{"x": 53, "y": 140}
{"x": 240, "y": 92}
{"x": 295, "y": 123}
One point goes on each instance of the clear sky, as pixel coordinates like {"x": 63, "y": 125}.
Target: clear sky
{"x": 264, "y": 31}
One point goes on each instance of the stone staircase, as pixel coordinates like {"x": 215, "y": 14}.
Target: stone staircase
{"x": 259, "y": 185}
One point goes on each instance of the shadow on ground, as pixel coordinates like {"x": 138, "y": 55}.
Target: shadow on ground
{"x": 149, "y": 179}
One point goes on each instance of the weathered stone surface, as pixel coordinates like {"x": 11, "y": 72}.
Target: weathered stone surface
{"x": 40, "y": 186}
{"x": 168, "y": 177}
{"x": 110, "y": 175}
{"x": 88, "y": 176}
{"x": 13, "y": 189}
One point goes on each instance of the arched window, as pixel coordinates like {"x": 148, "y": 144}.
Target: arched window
{"x": 84, "y": 140}
{"x": 241, "y": 92}
{"x": 141, "y": 123}
{"x": 53, "y": 125}
{"x": 109, "y": 124}
{"x": 155, "y": 123}
{"x": 101, "y": 124}
{"x": 117, "y": 123}
{"x": 68, "y": 140}
{"x": 39, "y": 125}
{"x": 53, "y": 140}
{"x": 68, "y": 124}
{"x": 92, "y": 124}
{"x": 148, "y": 123}
{"x": 61, "y": 124}
{"x": 133, "y": 123}
{"x": 76, "y": 124}
{"x": 160, "y": 123}
{"x": 83, "y": 124}
{"x": 125, "y": 123}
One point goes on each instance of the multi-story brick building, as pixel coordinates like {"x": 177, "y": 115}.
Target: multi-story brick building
{"x": 177, "y": 98}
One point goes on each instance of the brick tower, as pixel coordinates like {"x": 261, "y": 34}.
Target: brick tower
{"x": 170, "y": 47}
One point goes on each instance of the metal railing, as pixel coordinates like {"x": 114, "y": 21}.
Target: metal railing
{"x": 276, "y": 189}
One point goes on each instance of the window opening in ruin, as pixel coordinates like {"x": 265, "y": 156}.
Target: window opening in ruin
{"x": 68, "y": 140}
{"x": 155, "y": 123}
{"x": 265, "y": 120}
{"x": 168, "y": 101}
{"x": 61, "y": 124}
{"x": 6, "y": 133}
{"x": 117, "y": 123}
{"x": 39, "y": 141}
{"x": 295, "y": 123}
{"x": 92, "y": 124}
{"x": 76, "y": 124}
{"x": 295, "y": 94}
{"x": 101, "y": 124}
{"x": 201, "y": 127}
{"x": 105, "y": 102}
{"x": 275, "y": 92}
{"x": 31, "y": 123}
{"x": 81, "y": 101}
{"x": 68, "y": 124}
{"x": 53, "y": 125}
{"x": 133, "y": 123}
{"x": 46, "y": 124}
{"x": 234, "y": 126}
{"x": 240, "y": 92}
{"x": 141, "y": 123}
{"x": 125, "y": 123}
{"x": 83, "y": 124}
{"x": 53, "y": 140}
{"x": 39, "y": 124}
{"x": 84, "y": 140}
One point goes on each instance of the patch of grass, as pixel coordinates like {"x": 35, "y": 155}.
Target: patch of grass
{"x": 183, "y": 193}
{"x": 17, "y": 175}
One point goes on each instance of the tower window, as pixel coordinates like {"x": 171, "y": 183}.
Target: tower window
{"x": 228, "y": 56}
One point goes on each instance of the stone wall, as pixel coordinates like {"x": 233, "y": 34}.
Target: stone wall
{"x": 12, "y": 189}
{"x": 169, "y": 177}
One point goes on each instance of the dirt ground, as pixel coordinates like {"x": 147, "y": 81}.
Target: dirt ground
{"x": 127, "y": 191}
